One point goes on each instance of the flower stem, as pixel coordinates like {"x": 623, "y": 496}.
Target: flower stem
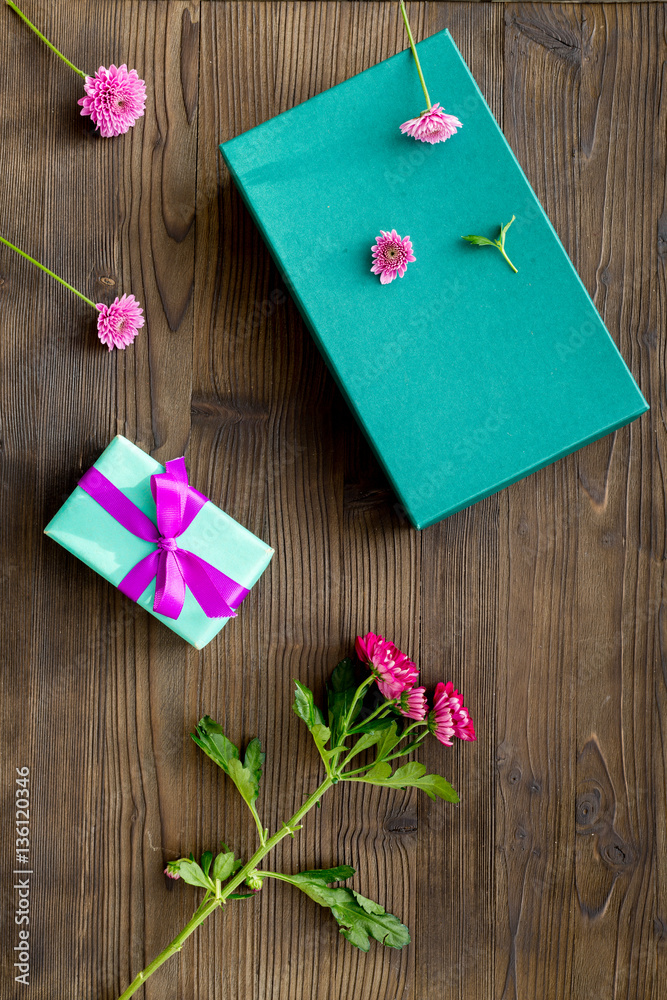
{"x": 385, "y": 706}
{"x": 209, "y": 905}
{"x": 357, "y": 694}
{"x": 414, "y": 52}
{"x": 39, "y": 34}
{"x": 45, "y": 269}
{"x": 508, "y": 260}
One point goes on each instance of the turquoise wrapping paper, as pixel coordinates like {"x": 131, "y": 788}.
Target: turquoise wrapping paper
{"x": 93, "y": 535}
{"x": 463, "y": 375}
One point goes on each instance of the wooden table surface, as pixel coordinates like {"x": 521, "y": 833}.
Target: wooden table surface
{"x": 543, "y": 603}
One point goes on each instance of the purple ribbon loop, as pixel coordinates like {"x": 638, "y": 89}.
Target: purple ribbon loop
{"x": 173, "y": 569}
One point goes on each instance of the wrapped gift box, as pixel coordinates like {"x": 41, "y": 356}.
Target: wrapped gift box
{"x": 90, "y": 532}
{"x": 463, "y": 375}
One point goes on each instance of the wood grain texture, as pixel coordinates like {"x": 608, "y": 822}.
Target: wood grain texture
{"x": 545, "y": 603}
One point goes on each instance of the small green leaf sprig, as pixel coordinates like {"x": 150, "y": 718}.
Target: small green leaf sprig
{"x": 499, "y": 244}
{"x": 393, "y": 720}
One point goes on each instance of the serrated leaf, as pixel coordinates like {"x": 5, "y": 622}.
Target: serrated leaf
{"x": 223, "y": 866}
{"x": 412, "y": 775}
{"x": 379, "y": 772}
{"x": 327, "y": 876}
{"x": 341, "y": 690}
{"x": 480, "y": 241}
{"x": 305, "y": 707}
{"x": 360, "y": 918}
{"x": 206, "y": 859}
{"x": 367, "y": 740}
{"x": 369, "y": 905}
{"x": 191, "y": 873}
{"x": 321, "y": 734}
{"x": 254, "y": 760}
{"x": 245, "y": 780}
{"x": 210, "y": 738}
{"x": 390, "y": 738}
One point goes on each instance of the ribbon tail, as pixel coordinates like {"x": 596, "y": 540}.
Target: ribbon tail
{"x": 216, "y": 594}
{"x": 139, "y": 577}
{"x": 169, "y": 585}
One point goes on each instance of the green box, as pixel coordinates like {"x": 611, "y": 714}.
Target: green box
{"x": 93, "y": 535}
{"x": 463, "y": 375}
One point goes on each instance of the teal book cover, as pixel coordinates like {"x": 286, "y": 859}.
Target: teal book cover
{"x": 464, "y": 376}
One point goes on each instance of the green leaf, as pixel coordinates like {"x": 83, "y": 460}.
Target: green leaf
{"x": 327, "y": 876}
{"x": 210, "y": 737}
{"x": 378, "y": 773}
{"x": 191, "y": 873}
{"x": 341, "y": 690}
{"x": 360, "y": 918}
{"x": 412, "y": 775}
{"x": 480, "y": 241}
{"x": 241, "y": 895}
{"x": 367, "y": 740}
{"x": 206, "y": 859}
{"x": 305, "y": 707}
{"x": 223, "y": 866}
{"x": 254, "y": 761}
{"x": 321, "y": 734}
{"x": 372, "y": 724}
{"x": 389, "y": 740}
{"x": 245, "y": 780}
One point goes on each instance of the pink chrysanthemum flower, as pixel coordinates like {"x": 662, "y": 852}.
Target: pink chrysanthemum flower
{"x": 171, "y": 871}
{"x": 391, "y": 255}
{"x": 115, "y": 99}
{"x": 119, "y": 323}
{"x": 413, "y": 704}
{"x": 440, "y": 721}
{"x": 432, "y": 126}
{"x": 449, "y": 717}
{"x": 392, "y": 669}
{"x": 405, "y": 670}
{"x": 463, "y": 726}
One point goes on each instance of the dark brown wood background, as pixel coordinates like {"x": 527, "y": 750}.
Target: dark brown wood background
{"x": 543, "y": 603}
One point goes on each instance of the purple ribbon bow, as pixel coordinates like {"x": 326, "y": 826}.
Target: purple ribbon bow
{"x": 173, "y": 569}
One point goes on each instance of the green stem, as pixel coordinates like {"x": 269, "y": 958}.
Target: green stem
{"x": 39, "y": 34}
{"x": 201, "y": 913}
{"x": 414, "y": 52}
{"x": 385, "y": 706}
{"x": 45, "y": 269}
{"x": 357, "y": 694}
{"x": 209, "y": 905}
{"x": 393, "y": 756}
{"x": 502, "y": 250}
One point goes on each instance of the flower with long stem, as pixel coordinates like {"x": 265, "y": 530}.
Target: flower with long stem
{"x": 338, "y": 740}
{"x": 115, "y": 97}
{"x": 117, "y": 324}
{"x": 433, "y": 124}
